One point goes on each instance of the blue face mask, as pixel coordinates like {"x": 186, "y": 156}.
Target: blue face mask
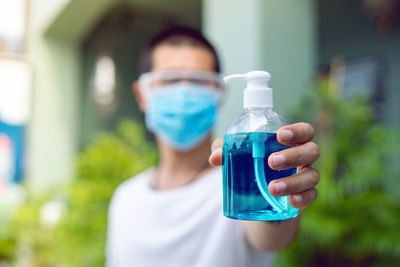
{"x": 182, "y": 114}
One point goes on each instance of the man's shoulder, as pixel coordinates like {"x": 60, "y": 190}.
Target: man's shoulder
{"x": 131, "y": 186}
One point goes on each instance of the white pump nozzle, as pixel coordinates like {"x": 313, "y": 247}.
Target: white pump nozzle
{"x": 257, "y": 93}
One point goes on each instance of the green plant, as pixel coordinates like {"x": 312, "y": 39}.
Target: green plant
{"x": 7, "y": 240}
{"x": 78, "y": 239}
{"x": 355, "y": 220}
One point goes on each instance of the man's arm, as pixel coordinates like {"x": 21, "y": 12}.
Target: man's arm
{"x": 271, "y": 236}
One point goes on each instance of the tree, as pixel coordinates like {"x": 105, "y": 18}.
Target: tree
{"x": 78, "y": 238}
{"x": 355, "y": 220}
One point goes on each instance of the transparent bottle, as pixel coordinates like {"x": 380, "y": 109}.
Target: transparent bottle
{"x": 249, "y": 141}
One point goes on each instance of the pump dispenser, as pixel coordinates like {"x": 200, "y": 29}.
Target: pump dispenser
{"x": 247, "y": 145}
{"x": 257, "y": 93}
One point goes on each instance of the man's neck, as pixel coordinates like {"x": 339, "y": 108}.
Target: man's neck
{"x": 178, "y": 168}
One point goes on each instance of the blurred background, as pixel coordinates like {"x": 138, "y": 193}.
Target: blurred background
{"x": 70, "y": 130}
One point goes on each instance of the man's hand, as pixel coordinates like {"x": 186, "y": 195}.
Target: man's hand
{"x": 301, "y": 186}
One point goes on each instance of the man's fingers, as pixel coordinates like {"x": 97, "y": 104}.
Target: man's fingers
{"x": 215, "y": 158}
{"x": 305, "y": 180}
{"x": 217, "y": 143}
{"x": 295, "y": 134}
{"x": 296, "y": 156}
{"x": 303, "y": 199}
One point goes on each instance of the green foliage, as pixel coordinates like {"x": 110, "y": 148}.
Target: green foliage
{"x": 78, "y": 239}
{"x": 7, "y": 240}
{"x": 355, "y": 220}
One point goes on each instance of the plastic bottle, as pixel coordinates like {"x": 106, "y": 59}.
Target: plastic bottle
{"x": 249, "y": 141}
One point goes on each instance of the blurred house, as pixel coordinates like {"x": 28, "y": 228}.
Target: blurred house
{"x": 15, "y": 88}
{"x": 83, "y": 56}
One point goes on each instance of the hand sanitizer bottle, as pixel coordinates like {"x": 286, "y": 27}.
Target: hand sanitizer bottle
{"x": 247, "y": 145}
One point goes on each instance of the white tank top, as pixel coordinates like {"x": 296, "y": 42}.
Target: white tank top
{"x": 179, "y": 227}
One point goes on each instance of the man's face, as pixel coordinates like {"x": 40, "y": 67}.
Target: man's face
{"x": 181, "y": 88}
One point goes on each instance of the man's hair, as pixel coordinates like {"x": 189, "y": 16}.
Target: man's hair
{"x": 175, "y": 36}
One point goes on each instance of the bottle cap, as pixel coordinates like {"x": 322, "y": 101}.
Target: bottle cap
{"x": 257, "y": 94}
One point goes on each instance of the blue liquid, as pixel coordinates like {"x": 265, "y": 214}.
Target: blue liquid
{"x": 242, "y": 197}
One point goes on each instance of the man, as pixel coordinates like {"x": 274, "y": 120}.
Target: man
{"x": 171, "y": 215}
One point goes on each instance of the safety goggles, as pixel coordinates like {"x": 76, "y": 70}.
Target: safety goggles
{"x": 156, "y": 80}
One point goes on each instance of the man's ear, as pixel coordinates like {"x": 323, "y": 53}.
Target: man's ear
{"x": 139, "y": 96}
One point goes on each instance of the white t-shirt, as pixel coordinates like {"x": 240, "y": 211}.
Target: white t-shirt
{"x": 179, "y": 227}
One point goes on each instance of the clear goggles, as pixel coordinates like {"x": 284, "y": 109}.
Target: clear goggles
{"x": 152, "y": 81}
